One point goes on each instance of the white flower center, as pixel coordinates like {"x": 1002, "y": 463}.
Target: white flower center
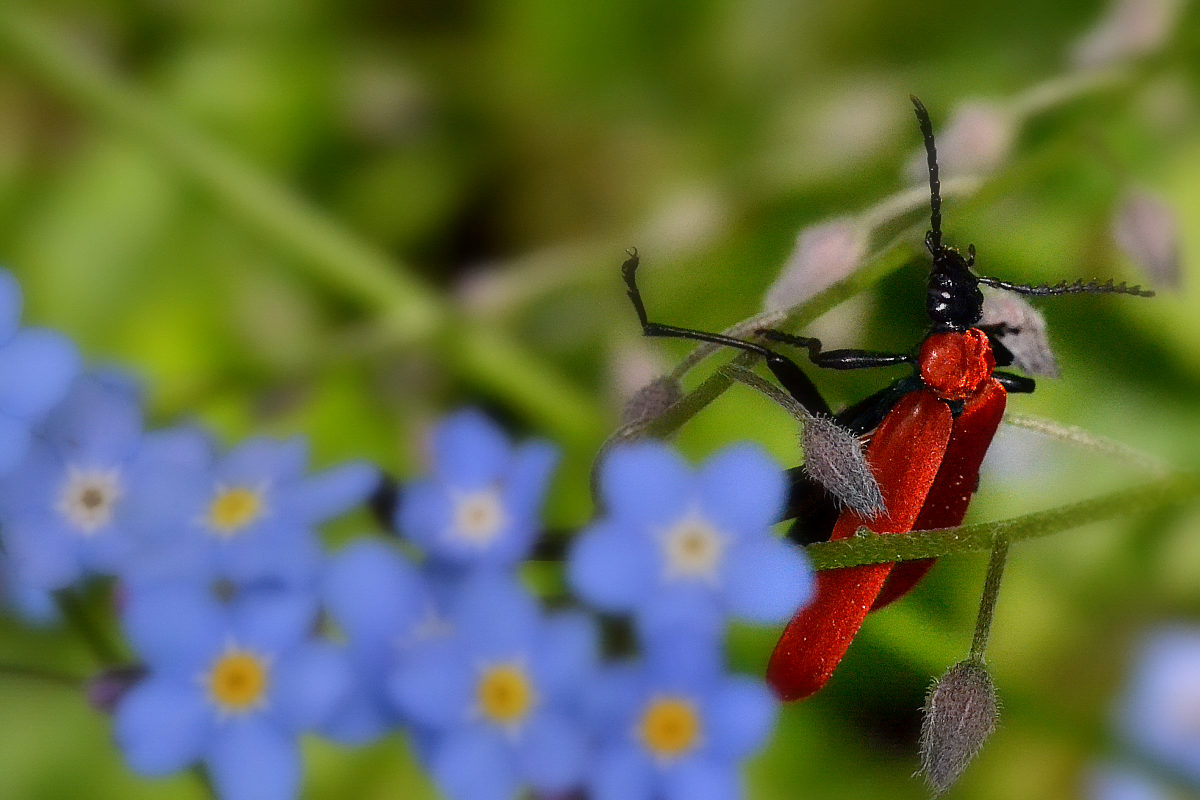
{"x": 479, "y": 517}
{"x": 692, "y": 550}
{"x": 88, "y": 497}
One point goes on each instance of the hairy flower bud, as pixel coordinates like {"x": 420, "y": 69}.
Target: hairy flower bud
{"x": 824, "y": 254}
{"x": 960, "y": 714}
{"x": 976, "y": 139}
{"x": 1145, "y": 228}
{"x": 651, "y": 400}
{"x": 1024, "y": 332}
{"x": 1128, "y": 29}
{"x": 834, "y": 458}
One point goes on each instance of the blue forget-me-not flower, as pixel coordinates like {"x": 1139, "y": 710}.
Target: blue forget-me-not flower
{"x": 230, "y": 687}
{"x": 674, "y": 726}
{"x": 480, "y": 508}
{"x": 36, "y": 369}
{"x": 677, "y": 546}
{"x": 1159, "y": 714}
{"x": 496, "y": 700}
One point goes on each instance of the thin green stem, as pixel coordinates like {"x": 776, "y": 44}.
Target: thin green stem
{"x": 411, "y": 311}
{"x": 874, "y": 548}
{"x": 54, "y": 677}
{"x": 71, "y": 607}
{"x": 987, "y": 603}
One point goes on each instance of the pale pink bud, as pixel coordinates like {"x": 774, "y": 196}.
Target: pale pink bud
{"x": 106, "y": 690}
{"x": 976, "y": 139}
{"x": 960, "y": 714}
{"x": 1146, "y": 229}
{"x": 651, "y": 400}
{"x": 824, "y": 254}
{"x": 1128, "y": 29}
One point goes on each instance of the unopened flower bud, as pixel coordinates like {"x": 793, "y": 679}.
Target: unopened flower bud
{"x": 1145, "y": 228}
{"x": 960, "y": 714}
{"x": 651, "y": 400}
{"x": 1024, "y": 331}
{"x": 976, "y": 139}
{"x": 1128, "y": 29}
{"x": 106, "y": 690}
{"x": 824, "y": 254}
{"x": 834, "y": 458}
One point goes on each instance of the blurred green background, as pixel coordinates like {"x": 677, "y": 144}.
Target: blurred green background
{"x": 344, "y": 218}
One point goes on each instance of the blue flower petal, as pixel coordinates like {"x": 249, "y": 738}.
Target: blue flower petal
{"x": 175, "y": 629}
{"x": 767, "y": 581}
{"x": 250, "y": 760}
{"x": 698, "y": 779}
{"x": 742, "y": 490}
{"x": 277, "y": 551}
{"x": 43, "y": 554}
{"x": 434, "y": 685}
{"x": 36, "y": 368}
{"x": 613, "y": 699}
{"x": 273, "y": 620}
{"x": 612, "y": 568}
{"x": 14, "y": 441}
{"x": 567, "y": 653}
{"x": 162, "y": 726}
{"x": 469, "y": 450}
{"x": 646, "y": 483}
{"x": 622, "y": 773}
{"x": 740, "y": 717}
{"x": 529, "y": 475}
{"x": 10, "y": 305}
{"x": 685, "y": 611}
{"x": 309, "y": 685}
{"x": 373, "y": 593}
{"x": 552, "y": 754}
{"x": 495, "y": 614}
{"x": 98, "y": 423}
{"x": 473, "y": 765}
{"x": 263, "y": 460}
{"x": 36, "y": 485}
{"x": 335, "y": 491}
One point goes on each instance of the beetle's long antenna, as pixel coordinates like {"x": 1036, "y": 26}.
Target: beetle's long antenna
{"x": 1078, "y": 287}
{"x": 934, "y": 240}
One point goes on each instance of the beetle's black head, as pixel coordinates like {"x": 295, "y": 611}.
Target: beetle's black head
{"x": 953, "y": 299}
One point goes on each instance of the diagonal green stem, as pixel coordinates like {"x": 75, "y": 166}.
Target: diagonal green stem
{"x": 412, "y": 311}
{"x": 874, "y": 548}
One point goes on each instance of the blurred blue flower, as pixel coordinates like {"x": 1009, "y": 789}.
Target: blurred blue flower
{"x": 36, "y": 368}
{"x": 1159, "y": 714}
{"x": 62, "y": 510}
{"x": 249, "y": 517}
{"x": 230, "y": 687}
{"x": 691, "y": 548}
{"x": 481, "y": 506}
{"x": 675, "y": 727}
{"x": 381, "y": 606}
{"x": 1109, "y": 782}
{"x": 32, "y": 605}
{"x": 496, "y": 699}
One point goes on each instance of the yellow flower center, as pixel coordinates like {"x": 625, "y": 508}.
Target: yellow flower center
{"x": 237, "y": 682}
{"x": 692, "y": 549}
{"x": 669, "y": 728}
{"x": 233, "y": 509}
{"x": 479, "y": 517}
{"x": 505, "y": 694}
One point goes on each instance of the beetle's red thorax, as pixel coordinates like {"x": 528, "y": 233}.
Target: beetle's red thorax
{"x": 956, "y": 364}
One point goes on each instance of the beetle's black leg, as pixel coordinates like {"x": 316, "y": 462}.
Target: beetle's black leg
{"x": 786, "y": 371}
{"x": 838, "y": 359}
{"x": 1004, "y": 356}
{"x": 1015, "y": 384}
{"x": 813, "y": 508}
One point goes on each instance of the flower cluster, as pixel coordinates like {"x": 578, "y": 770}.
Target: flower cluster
{"x": 247, "y": 631}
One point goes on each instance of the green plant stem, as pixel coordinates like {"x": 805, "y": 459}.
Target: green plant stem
{"x": 987, "y": 603}
{"x": 412, "y": 312}
{"x": 76, "y": 614}
{"x": 874, "y": 548}
{"x": 42, "y": 675}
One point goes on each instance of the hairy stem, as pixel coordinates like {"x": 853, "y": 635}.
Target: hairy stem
{"x": 987, "y": 603}
{"x": 874, "y": 548}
